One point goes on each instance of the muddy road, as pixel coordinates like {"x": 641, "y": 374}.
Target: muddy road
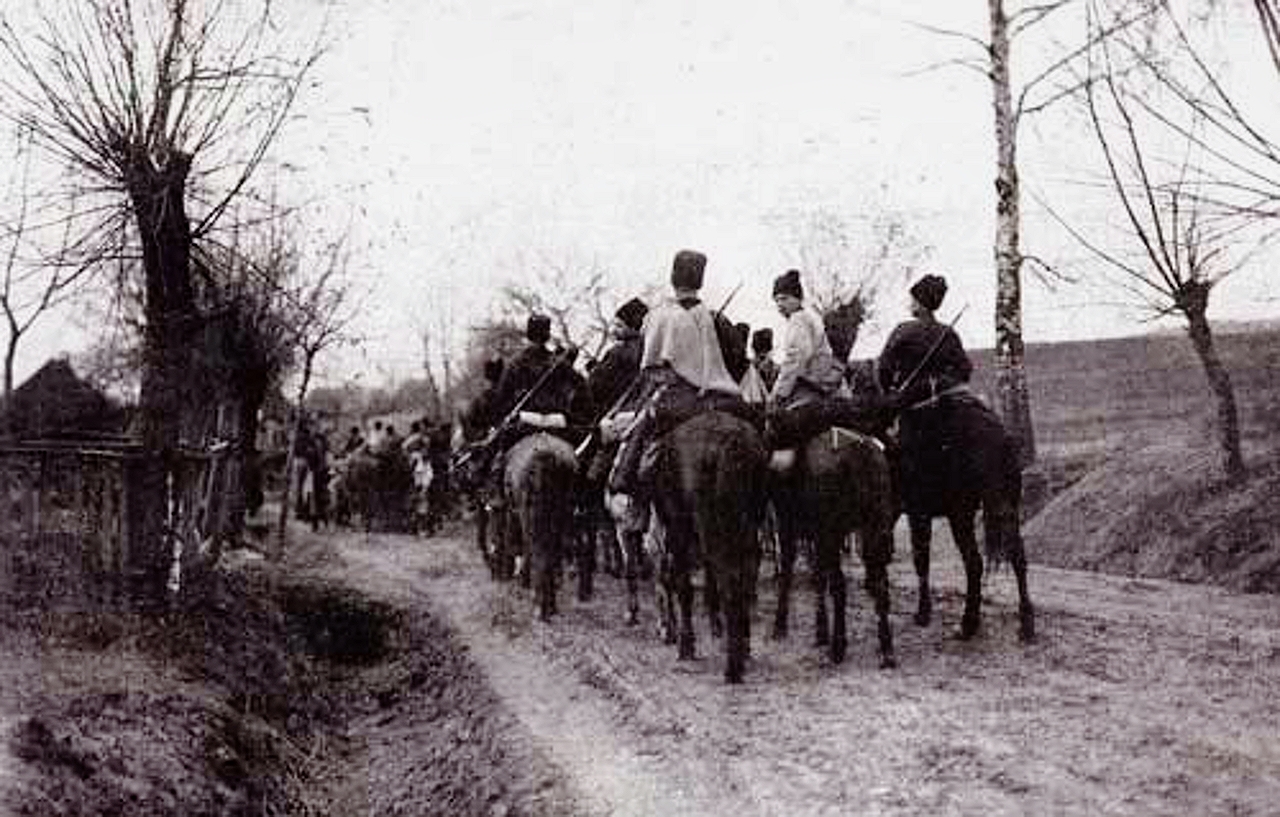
{"x": 1138, "y": 697}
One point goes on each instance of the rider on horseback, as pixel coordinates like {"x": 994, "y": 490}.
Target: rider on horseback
{"x": 685, "y": 368}
{"x": 538, "y": 386}
{"x": 613, "y": 382}
{"x": 809, "y": 375}
{"x": 765, "y": 365}
{"x": 923, "y": 366}
{"x": 923, "y": 358}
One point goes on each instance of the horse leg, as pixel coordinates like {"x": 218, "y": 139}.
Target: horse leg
{"x": 666, "y": 599}
{"x": 1026, "y": 613}
{"x": 711, "y": 597}
{"x": 962, "y": 530}
{"x": 821, "y": 624}
{"x": 632, "y": 543}
{"x": 829, "y": 548}
{"x": 877, "y": 549}
{"x": 682, "y": 570}
{"x": 921, "y": 537}
{"x": 482, "y": 533}
{"x": 738, "y": 643}
{"x": 583, "y": 535}
{"x": 785, "y": 572}
{"x": 1006, "y": 525}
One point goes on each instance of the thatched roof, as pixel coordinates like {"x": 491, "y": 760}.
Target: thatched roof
{"x": 55, "y": 402}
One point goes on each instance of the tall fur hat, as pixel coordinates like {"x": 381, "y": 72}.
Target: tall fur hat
{"x": 632, "y": 313}
{"x": 788, "y": 283}
{"x": 762, "y": 341}
{"x": 538, "y": 329}
{"x": 929, "y": 291}
{"x": 687, "y": 269}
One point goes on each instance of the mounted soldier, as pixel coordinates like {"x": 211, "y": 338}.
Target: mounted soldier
{"x": 809, "y": 377}
{"x": 923, "y": 364}
{"x": 956, "y": 456}
{"x": 687, "y": 366}
{"x": 762, "y": 359}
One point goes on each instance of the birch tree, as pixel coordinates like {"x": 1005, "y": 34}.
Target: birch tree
{"x": 1049, "y": 82}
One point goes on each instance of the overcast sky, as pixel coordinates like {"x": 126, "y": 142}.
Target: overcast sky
{"x": 468, "y": 137}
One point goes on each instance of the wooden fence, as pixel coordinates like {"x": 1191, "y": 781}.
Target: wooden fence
{"x": 65, "y": 529}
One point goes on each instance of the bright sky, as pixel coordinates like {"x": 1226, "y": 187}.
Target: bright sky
{"x": 464, "y": 136}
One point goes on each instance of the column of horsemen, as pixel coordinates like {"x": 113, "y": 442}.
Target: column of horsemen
{"x": 896, "y": 444}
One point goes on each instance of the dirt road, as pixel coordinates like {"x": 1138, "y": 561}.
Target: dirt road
{"x": 1138, "y": 697}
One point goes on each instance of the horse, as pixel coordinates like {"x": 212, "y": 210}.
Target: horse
{"x": 377, "y": 486}
{"x": 540, "y": 483}
{"x": 708, "y": 490}
{"x": 839, "y": 484}
{"x": 976, "y": 467}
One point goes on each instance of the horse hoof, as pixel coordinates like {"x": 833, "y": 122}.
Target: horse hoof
{"x": 779, "y": 633}
{"x": 887, "y": 661}
{"x": 924, "y": 614}
{"x": 839, "y": 649}
{"x": 687, "y": 652}
{"x": 1027, "y": 632}
{"x": 968, "y": 629}
{"x": 733, "y": 674}
{"x": 632, "y": 618}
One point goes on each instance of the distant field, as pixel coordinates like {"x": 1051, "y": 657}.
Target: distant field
{"x": 1093, "y": 397}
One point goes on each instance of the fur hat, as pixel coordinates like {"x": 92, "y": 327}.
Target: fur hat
{"x": 762, "y": 341}
{"x": 632, "y": 313}
{"x": 687, "y": 269}
{"x": 493, "y": 370}
{"x": 929, "y": 291}
{"x": 538, "y": 329}
{"x": 788, "y": 283}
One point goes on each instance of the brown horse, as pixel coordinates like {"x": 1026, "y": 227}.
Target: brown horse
{"x": 709, "y": 491}
{"x": 840, "y": 484}
{"x": 971, "y": 465}
{"x": 540, "y": 482}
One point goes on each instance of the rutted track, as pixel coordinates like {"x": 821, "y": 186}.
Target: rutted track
{"x": 1139, "y": 697}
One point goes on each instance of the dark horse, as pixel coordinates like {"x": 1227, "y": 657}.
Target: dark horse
{"x": 840, "y": 484}
{"x": 974, "y": 466}
{"x": 708, "y": 491}
{"x": 540, "y": 482}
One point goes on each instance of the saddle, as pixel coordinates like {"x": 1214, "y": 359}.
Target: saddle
{"x": 869, "y": 415}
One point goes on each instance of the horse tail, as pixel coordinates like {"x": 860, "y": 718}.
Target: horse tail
{"x": 1002, "y": 505}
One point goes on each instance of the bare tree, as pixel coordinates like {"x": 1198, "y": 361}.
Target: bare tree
{"x": 845, "y": 265}
{"x": 1050, "y": 82}
{"x": 155, "y": 103}
{"x": 1238, "y": 160}
{"x": 321, "y": 312}
{"x": 34, "y": 280}
{"x": 573, "y": 293}
{"x": 1183, "y": 250}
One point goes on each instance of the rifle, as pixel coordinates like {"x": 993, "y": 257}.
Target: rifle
{"x": 902, "y": 388}
{"x": 516, "y": 409}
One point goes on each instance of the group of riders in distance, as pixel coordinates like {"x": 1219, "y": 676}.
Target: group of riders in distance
{"x": 679, "y": 447}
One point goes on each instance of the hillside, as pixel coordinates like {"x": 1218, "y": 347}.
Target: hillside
{"x": 1125, "y": 436}
{"x": 1091, "y": 397}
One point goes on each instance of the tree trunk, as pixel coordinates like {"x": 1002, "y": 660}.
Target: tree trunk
{"x": 10, "y": 354}
{"x": 1011, "y": 376}
{"x": 157, "y": 195}
{"x": 1195, "y": 306}
{"x": 290, "y": 459}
